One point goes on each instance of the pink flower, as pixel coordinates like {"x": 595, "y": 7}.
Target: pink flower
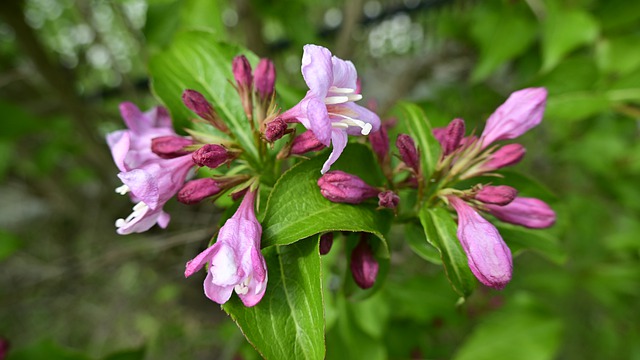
{"x": 328, "y": 109}
{"x": 488, "y": 256}
{"x": 522, "y": 111}
{"x": 149, "y": 179}
{"x": 235, "y": 260}
{"x": 528, "y": 212}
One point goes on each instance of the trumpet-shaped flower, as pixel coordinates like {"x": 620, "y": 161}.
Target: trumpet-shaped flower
{"x": 488, "y": 256}
{"x": 328, "y": 109}
{"x": 235, "y": 260}
{"x": 149, "y": 179}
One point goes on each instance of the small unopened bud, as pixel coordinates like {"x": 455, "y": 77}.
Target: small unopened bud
{"x": 454, "y": 133}
{"x": 528, "y": 212}
{"x": 275, "y": 129}
{"x": 195, "y": 191}
{"x": 306, "y": 142}
{"x": 212, "y": 156}
{"x": 364, "y": 266}
{"x": 265, "y": 79}
{"x": 380, "y": 143}
{"x": 497, "y": 195}
{"x": 171, "y": 146}
{"x": 408, "y": 152}
{"x": 242, "y": 71}
{"x": 341, "y": 187}
{"x": 197, "y": 103}
{"x": 507, "y": 155}
{"x": 326, "y": 241}
{"x": 388, "y": 199}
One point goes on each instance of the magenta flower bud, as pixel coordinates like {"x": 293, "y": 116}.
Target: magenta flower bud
{"x": 197, "y": 190}
{"x": 380, "y": 143}
{"x": 522, "y": 111}
{"x": 364, "y": 266}
{"x": 408, "y": 151}
{"x": 197, "y": 103}
{"x": 507, "y": 155}
{"x": 212, "y": 156}
{"x": 528, "y": 212}
{"x": 341, "y": 187}
{"x": 497, "y": 195}
{"x": 170, "y": 146}
{"x": 488, "y": 256}
{"x": 454, "y": 133}
{"x": 388, "y": 199}
{"x": 305, "y": 143}
{"x": 275, "y": 129}
{"x": 242, "y": 72}
{"x": 326, "y": 241}
{"x": 265, "y": 79}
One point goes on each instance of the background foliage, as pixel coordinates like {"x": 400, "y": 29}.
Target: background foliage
{"x": 70, "y": 288}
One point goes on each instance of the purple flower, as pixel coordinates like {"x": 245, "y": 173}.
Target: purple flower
{"x": 488, "y": 256}
{"x": 528, "y": 212}
{"x": 235, "y": 260}
{"x": 522, "y": 111}
{"x": 149, "y": 179}
{"x": 328, "y": 109}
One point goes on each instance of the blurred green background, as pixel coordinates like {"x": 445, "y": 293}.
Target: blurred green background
{"x": 70, "y": 288}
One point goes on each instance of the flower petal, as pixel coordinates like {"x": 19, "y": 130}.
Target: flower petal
{"x": 198, "y": 262}
{"x": 219, "y": 294}
{"x": 119, "y": 143}
{"x": 142, "y": 185}
{"x": 318, "y": 120}
{"x": 317, "y": 69}
{"x": 364, "y": 114}
{"x": 344, "y": 73}
{"x": 135, "y": 120}
{"x": 339, "y": 142}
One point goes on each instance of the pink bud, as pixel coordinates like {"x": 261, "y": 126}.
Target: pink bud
{"x": 498, "y": 195}
{"x": 507, "y": 155}
{"x": 488, "y": 256}
{"x": 275, "y": 129}
{"x": 341, "y": 187}
{"x": 528, "y": 212}
{"x": 408, "y": 151}
{"x": 212, "y": 156}
{"x": 197, "y": 103}
{"x": 522, "y": 111}
{"x": 326, "y": 241}
{"x": 171, "y": 146}
{"x": 380, "y": 143}
{"x": 197, "y": 190}
{"x": 306, "y": 142}
{"x": 242, "y": 72}
{"x": 453, "y": 135}
{"x": 364, "y": 266}
{"x": 265, "y": 79}
{"x": 388, "y": 199}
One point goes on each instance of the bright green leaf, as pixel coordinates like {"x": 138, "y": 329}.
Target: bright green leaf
{"x": 441, "y": 233}
{"x": 9, "y": 243}
{"x": 297, "y": 210}
{"x": 576, "y": 105}
{"x": 415, "y": 237}
{"x": 564, "y": 31}
{"x": 619, "y": 55}
{"x": 288, "y": 323}
{"x": 541, "y": 241}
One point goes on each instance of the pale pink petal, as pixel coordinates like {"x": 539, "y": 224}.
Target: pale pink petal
{"x": 317, "y": 69}
{"x": 163, "y": 219}
{"x": 218, "y": 294}
{"x": 119, "y": 142}
{"x": 364, "y": 114}
{"x": 135, "y": 120}
{"x": 319, "y": 122}
{"x": 142, "y": 185}
{"x": 339, "y": 142}
{"x": 198, "y": 262}
{"x": 344, "y": 73}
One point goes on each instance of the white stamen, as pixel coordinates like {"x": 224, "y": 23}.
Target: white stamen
{"x": 338, "y": 90}
{"x": 354, "y": 97}
{"x": 138, "y": 211}
{"x": 243, "y": 287}
{"x": 123, "y": 190}
{"x": 333, "y": 100}
{"x": 348, "y": 122}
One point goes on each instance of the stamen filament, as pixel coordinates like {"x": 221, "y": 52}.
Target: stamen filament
{"x": 122, "y": 190}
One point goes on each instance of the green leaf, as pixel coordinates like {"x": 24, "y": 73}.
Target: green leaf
{"x": 502, "y": 33}
{"x": 415, "y": 237}
{"x": 539, "y": 240}
{"x": 288, "y": 323}
{"x": 522, "y": 335}
{"x": 575, "y": 105}
{"x": 46, "y": 349}
{"x": 197, "y": 60}
{"x": 297, "y": 210}
{"x": 131, "y": 354}
{"x": 441, "y": 233}
{"x": 9, "y": 243}
{"x": 564, "y": 31}
{"x": 619, "y": 55}
{"x": 420, "y": 130}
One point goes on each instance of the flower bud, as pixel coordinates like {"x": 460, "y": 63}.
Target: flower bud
{"x": 275, "y": 129}
{"x": 265, "y": 79}
{"x": 171, "y": 146}
{"x": 522, "y": 111}
{"x": 488, "y": 256}
{"x": 242, "y": 72}
{"x": 212, "y": 156}
{"x": 306, "y": 142}
{"x": 380, "y": 143}
{"x": 507, "y": 155}
{"x": 364, "y": 266}
{"x": 388, "y": 199}
{"x": 341, "y": 187}
{"x": 408, "y": 151}
{"x": 326, "y": 241}
{"x": 197, "y": 103}
{"x": 528, "y": 212}
{"x": 497, "y": 195}
{"x": 453, "y": 135}
{"x": 195, "y": 191}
